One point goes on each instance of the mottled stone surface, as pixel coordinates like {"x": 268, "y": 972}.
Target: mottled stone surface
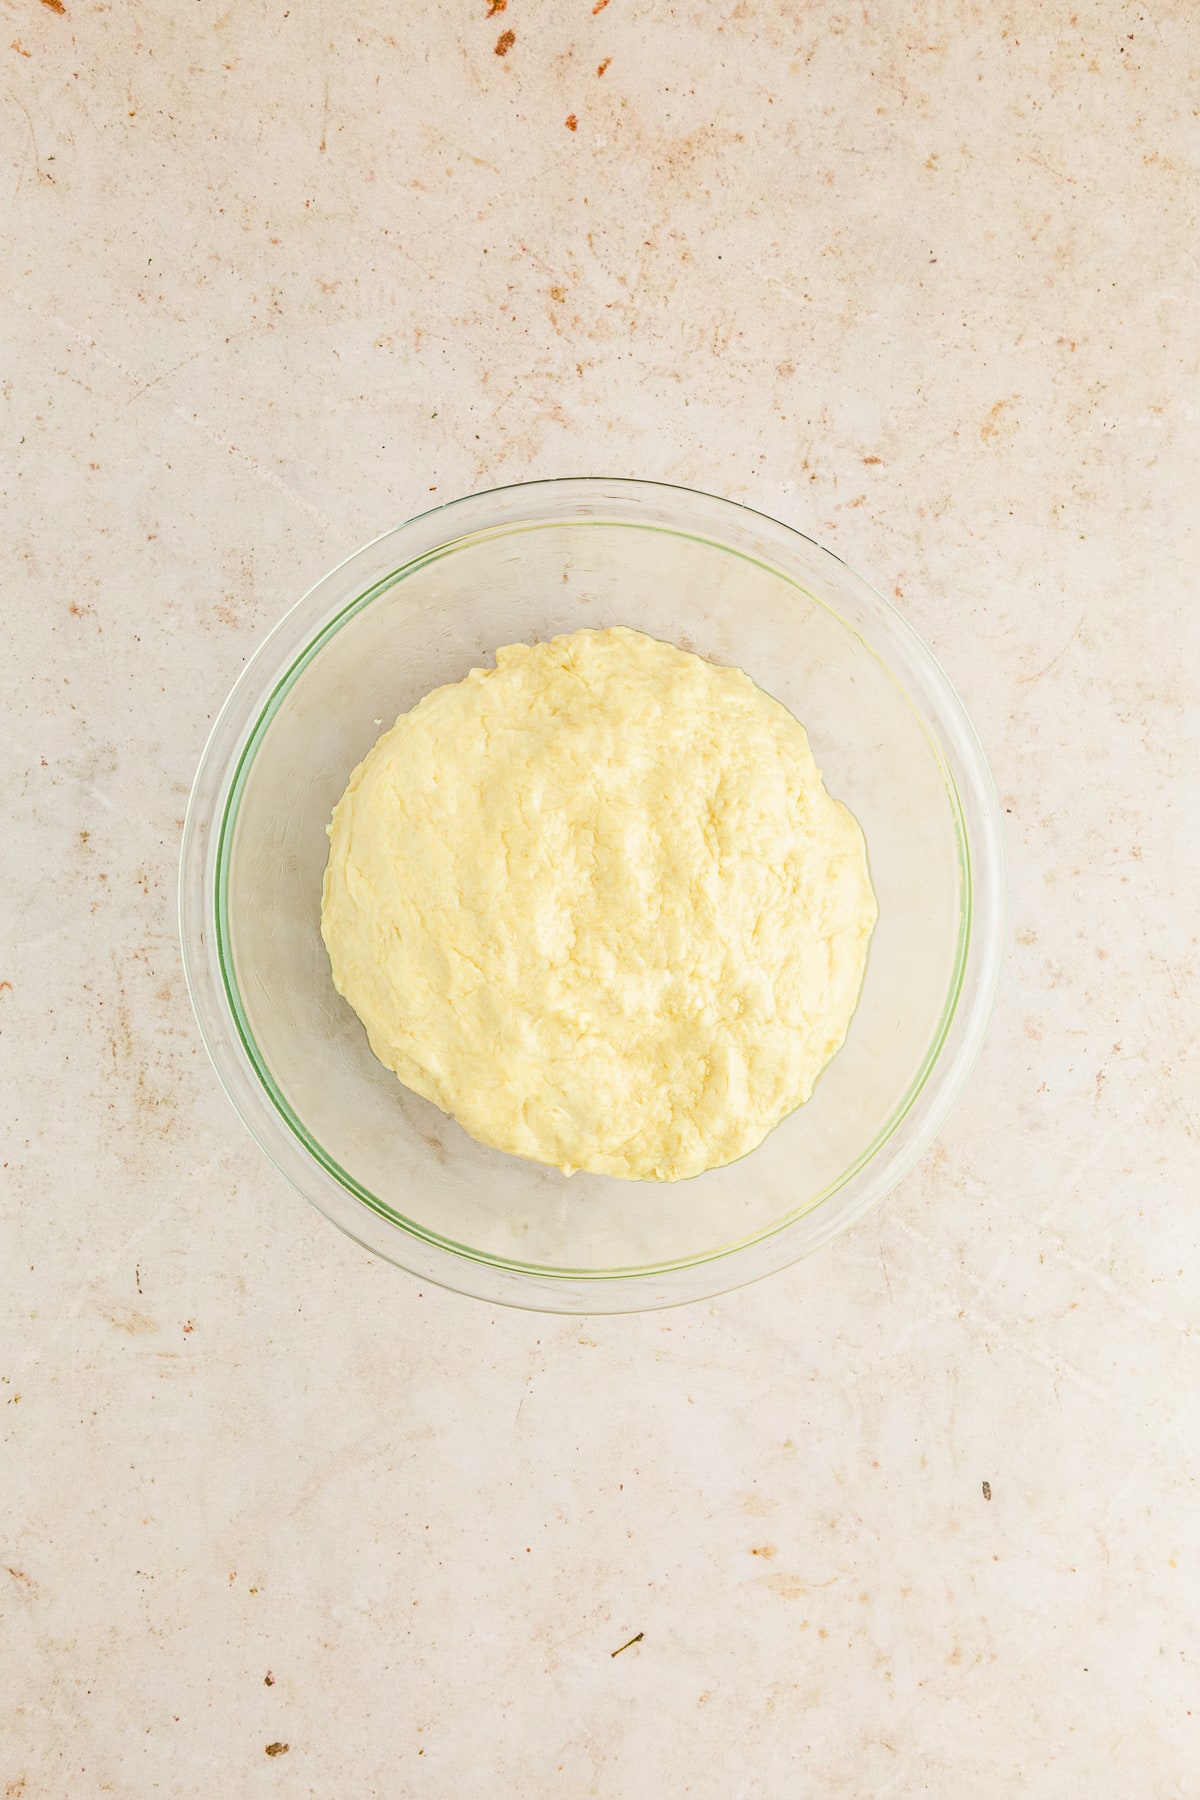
{"x": 921, "y": 280}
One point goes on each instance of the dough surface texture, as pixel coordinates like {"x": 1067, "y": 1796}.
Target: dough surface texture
{"x": 597, "y": 904}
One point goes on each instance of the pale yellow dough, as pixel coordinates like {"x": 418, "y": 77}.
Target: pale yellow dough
{"x": 597, "y": 904}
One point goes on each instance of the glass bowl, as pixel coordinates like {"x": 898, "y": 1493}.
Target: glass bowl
{"x": 421, "y": 606}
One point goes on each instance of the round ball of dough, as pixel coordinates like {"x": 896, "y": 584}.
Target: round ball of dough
{"x": 597, "y": 904}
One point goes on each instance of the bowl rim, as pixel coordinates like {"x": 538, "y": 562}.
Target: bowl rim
{"x": 204, "y": 862}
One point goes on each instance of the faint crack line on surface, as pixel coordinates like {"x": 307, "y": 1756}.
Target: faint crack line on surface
{"x": 37, "y": 161}
{"x": 1030, "y": 680}
{"x": 1057, "y": 1248}
{"x": 173, "y": 370}
{"x": 997, "y": 1328}
{"x": 99, "y": 1268}
{"x": 201, "y": 425}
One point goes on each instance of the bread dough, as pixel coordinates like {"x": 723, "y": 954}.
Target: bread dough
{"x": 597, "y": 904}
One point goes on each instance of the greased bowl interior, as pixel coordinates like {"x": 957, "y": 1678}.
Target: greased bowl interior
{"x": 422, "y": 606}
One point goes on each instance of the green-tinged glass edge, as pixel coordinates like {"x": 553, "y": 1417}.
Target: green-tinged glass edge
{"x": 262, "y": 1069}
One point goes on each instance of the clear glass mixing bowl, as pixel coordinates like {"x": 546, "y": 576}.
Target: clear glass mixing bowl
{"x": 423, "y": 605}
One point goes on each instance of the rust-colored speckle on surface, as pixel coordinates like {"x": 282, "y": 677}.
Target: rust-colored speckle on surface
{"x": 604, "y": 65}
{"x": 572, "y": 122}
{"x": 137, "y": 1324}
{"x": 994, "y": 425}
{"x": 277, "y": 1749}
{"x": 55, "y": 5}
{"x": 505, "y": 42}
{"x": 495, "y": 6}
{"x": 599, "y": 7}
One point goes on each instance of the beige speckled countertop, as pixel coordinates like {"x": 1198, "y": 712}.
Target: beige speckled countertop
{"x": 921, "y": 280}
